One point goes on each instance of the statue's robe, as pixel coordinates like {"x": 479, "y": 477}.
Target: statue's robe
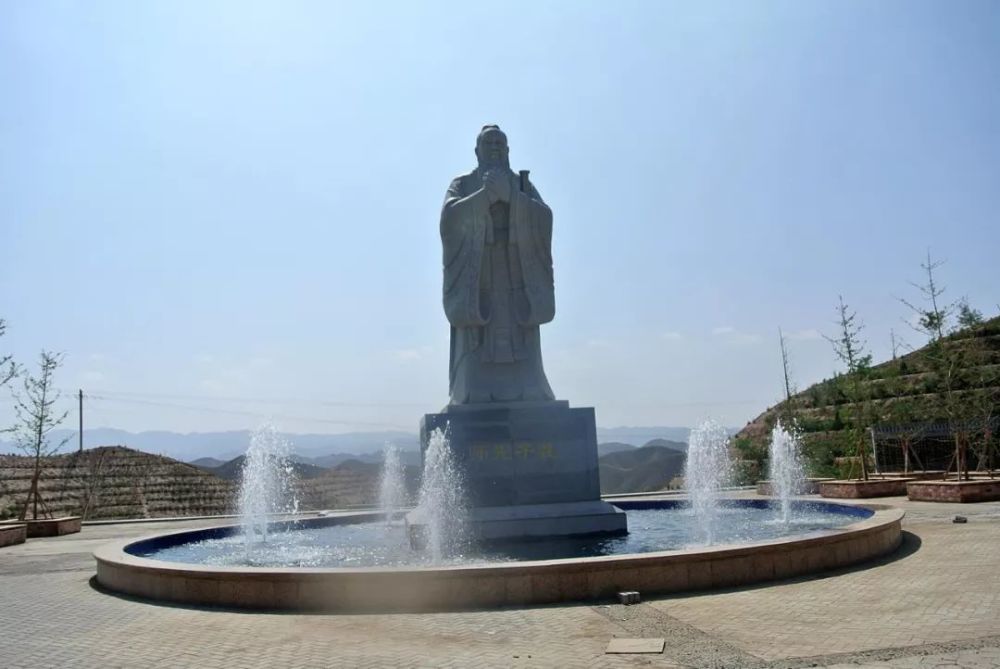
{"x": 498, "y": 289}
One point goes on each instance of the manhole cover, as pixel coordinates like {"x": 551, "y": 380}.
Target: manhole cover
{"x": 635, "y": 646}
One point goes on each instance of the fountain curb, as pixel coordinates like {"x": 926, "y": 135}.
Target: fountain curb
{"x": 384, "y": 589}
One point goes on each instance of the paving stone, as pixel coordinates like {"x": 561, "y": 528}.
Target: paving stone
{"x": 936, "y": 604}
{"x": 635, "y": 646}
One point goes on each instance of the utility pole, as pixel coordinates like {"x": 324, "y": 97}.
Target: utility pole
{"x": 80, "y": 397}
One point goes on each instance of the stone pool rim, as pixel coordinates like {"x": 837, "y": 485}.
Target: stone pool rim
{"x": 456, "y": 587}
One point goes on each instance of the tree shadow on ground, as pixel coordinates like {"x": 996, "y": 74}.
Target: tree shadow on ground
{"x": 909, "y": 546}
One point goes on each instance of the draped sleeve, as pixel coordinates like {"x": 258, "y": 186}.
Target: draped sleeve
{"x": 464, "y": 221}
{"x": 531, "y": 227}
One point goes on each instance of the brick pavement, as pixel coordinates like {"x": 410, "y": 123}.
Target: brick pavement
{"x": 987, "y": 658}
{"x": 943, "y": 589}
{"x": 943, "y": 585}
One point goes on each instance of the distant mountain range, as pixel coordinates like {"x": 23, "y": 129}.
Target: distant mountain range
{"x": 227, "y": 445}
{"x": 233, "y": 470}
{"x": 651, "y": 467}
{"x": 639, "y": 436}
{"x": 624, "y": 467}
{"x": 118, "y": 482}
{"x": 322, "y": 450}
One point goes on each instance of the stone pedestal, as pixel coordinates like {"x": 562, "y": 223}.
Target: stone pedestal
{"x": 530, "y": 469}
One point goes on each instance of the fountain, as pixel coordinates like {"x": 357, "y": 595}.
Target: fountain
{"x": 440, "y": 519}
{"x": 510, "y": 509}
{"x": 785, "y": 468}
{"x": 266, "y": 483}
{"x": 392, "y": 484}
{"x": 706, "y": 472}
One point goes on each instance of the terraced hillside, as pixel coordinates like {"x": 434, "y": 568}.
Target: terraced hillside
{"x": 233, "y": 470}
{"x": 952, "y": 386}
{"x": 114, "y": 482}
{"x": 118, "y": 482}
{"x": 349, "y": 484}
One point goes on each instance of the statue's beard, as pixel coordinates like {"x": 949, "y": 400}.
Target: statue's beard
{"x": 498, "y": 164}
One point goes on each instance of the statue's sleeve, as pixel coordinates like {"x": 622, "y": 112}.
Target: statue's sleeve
{"x": 531, "y": 222}
{"x": 464, "y": 220}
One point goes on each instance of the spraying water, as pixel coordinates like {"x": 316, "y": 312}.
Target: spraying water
{"x": 441, "y": 503}
{"x": 706, "y": 472}
{"x": 392, "y": 488}
{"x": 267, "y": 483}
{"x": 785, "y": 468}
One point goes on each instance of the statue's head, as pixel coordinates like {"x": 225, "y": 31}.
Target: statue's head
{"x": 491, "y": 148}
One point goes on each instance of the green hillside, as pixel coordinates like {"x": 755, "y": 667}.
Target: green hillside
{"x": 939, "y": 396}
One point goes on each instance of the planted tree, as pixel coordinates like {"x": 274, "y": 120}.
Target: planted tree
{"x": 931, "y": 318}
{"x": 968, "y": 317}
{"x": 984, "y": 399}
{"x": 8, "y": 368}
{"x": 952, "y": 360}
{"x": 986, "y": 404}
{"x": 35, "y": 408}
{"x": 849, "y": 348}
{"x": 786, "y": 369}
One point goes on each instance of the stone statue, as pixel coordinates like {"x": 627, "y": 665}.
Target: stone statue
{"x": 497, "y": 237}
{"x": 528, "y": 462}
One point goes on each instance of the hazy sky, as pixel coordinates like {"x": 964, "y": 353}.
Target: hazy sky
{"x": 220, "y": 210}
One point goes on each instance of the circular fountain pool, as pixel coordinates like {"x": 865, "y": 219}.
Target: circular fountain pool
{"x": 353, "y": 562}
{"x": 330, "y": 542}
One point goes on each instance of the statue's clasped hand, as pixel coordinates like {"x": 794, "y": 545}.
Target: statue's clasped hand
{"x": 497, "y": 187}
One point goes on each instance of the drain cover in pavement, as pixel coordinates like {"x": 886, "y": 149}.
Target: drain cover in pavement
{"x": 635, "y": 646}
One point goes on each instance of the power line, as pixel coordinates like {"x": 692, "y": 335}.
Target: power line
{"x": 378, "y": 405}
{"x": 256, "y": 400}
{"x": 253, "y": 414}
{"x": 142, "y": 397}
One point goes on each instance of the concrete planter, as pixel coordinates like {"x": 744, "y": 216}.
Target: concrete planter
{"x": 981, "y": 490}
{"x": 810, "y": 487}
{"x": 891, "y": 487}
{"x": 13, "y": 534}
{"x": 48, "y": 527}
{"x": 929, "y": 475}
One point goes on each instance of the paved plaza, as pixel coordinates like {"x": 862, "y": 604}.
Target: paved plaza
{"x": 935, "y": 603}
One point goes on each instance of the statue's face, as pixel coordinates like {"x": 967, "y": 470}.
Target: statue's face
{"x": 491, "y": 149}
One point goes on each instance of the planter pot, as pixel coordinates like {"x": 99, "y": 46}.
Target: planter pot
{"x": 48, "y": 527}
{"x": 981, "y": 490}
{"x": 810, "y": 487}
{"x": 929, "y": 475}
{"x": 13, "y": 534}
{"x": 891, "y": 487}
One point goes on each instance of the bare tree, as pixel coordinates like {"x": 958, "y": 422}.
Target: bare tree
{"x": 932, "y": 320}
{"x": 786, "y": 368}
{"x": 896, "y": 342}
{"x": 36, "y": 418}
{"x": 986, "y": 404}
{"x": 785, "y": 365}
{"x": 93, "y": 470}
{"x": 849, "y": 348}
{"x": 8, "y": 368}
{"x": 950, "y": 358}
